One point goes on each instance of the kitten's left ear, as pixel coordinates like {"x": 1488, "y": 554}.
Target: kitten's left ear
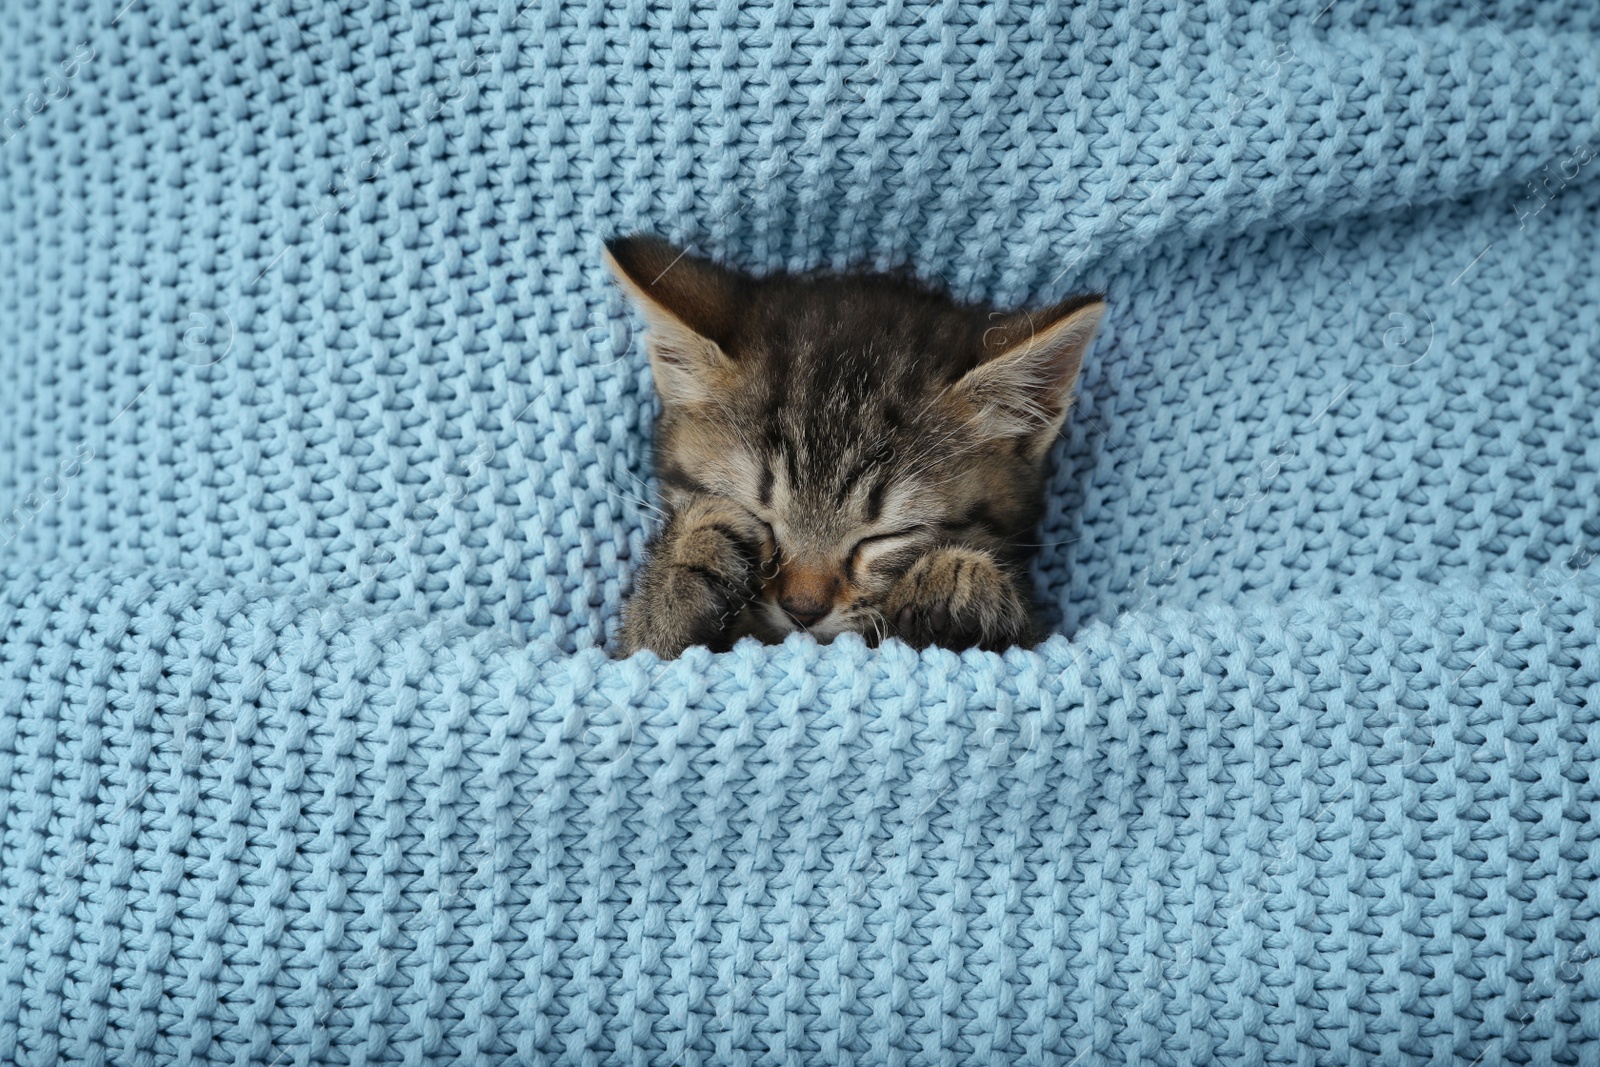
{"x": 1023, "y": 387}
{"x": 692, "y": 307}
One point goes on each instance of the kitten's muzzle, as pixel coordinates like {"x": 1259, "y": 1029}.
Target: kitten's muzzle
{"x": 807, "y": 594}
{"x": 804, "y": 615}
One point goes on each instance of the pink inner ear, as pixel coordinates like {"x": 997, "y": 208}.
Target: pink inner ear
{"x": 1026, "y": 389}
{"x": 1059, "y": 347}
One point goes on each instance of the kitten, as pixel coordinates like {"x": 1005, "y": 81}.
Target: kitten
{"x": 842, "y": 452}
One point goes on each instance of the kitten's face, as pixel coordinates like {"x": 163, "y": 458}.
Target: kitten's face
{"x": 861, "y": 419}
{"x": 852, "y": 485}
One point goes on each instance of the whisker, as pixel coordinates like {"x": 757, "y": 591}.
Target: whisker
{"x": 647, "y": 505}
{"x": 1041, "y": 544}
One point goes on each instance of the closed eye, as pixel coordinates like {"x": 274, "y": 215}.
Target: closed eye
{"x": 882, "y": 541}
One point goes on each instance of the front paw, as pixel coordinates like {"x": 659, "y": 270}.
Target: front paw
{"x": 703, "y": 570}
{"x": 957, "y": 598}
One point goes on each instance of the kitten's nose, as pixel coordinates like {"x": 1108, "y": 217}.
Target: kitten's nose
{"x": 807, "y": 593}
{"x": 805, "y": 612}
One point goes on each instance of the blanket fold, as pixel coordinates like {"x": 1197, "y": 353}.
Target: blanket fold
{"x": 421, "y": 841}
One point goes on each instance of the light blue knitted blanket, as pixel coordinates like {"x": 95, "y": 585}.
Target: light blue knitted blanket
{"x": 324, "y": 467}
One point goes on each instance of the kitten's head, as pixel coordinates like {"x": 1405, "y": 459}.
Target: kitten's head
{"x": 862, "y": 419}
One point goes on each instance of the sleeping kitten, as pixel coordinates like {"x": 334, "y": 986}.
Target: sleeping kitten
{"x": 842, "y": 453}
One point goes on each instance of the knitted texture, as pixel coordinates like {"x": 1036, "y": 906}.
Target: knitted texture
{"x": 325, "y": 470}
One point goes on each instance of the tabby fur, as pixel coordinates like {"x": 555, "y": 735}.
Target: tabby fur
{"x": 842, "y": 452}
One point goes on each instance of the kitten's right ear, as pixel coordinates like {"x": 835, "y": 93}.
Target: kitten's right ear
{"x": 691, "y": 306}
{"x": 1023, "y": 388}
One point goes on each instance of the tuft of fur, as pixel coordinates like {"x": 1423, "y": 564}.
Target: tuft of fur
{"x": 842, "y": 452}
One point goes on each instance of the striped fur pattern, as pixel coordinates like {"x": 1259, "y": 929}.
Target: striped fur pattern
{"x": 842, "y": 452}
